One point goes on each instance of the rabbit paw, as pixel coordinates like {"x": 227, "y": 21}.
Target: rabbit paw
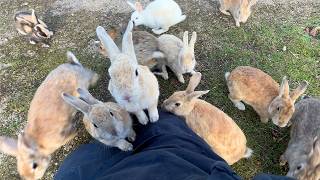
{"x": 181, "y": 79}
{"x": 132, "y": 136}
{"x": 159, "y": 31}
{"x": 125, "y": 146}
{"x": 264, "y": 120}
{"x": 282, "y": 160}
{"x": 225, "y": 12}
{"x": 154, "y": 117}
{"x": 143, "y": 120}
{"x": 240, "y": 106}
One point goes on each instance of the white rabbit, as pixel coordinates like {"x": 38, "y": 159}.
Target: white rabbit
{"x": 133, "y": 86}
{"x": 159, "y": 15}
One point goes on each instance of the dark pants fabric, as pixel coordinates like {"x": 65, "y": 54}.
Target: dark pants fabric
{"x": 167, "y": 149}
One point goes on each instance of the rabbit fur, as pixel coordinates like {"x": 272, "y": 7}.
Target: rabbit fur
{"x": 214, "y": 126}
{"x": 239, "y": 9}
{"x": 179, "y": 55}
{"x": 50, "y": 120}
{"x": 145, "y": 45}
{"x": 259, "y": 90}
{"x": 303, "y": 151}
{"x": 159, "y": 15}
{"x": 29, "y": 25}
{"x": 106, "y": 122}
{"x": 133, "y": 86}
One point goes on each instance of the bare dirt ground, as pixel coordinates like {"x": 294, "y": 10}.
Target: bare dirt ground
{"x": 23, "y": 66}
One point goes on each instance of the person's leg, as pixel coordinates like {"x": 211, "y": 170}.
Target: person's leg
{"x": 91, "y": 154}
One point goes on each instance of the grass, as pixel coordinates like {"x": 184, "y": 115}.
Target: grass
{"x": 220, "y": 47}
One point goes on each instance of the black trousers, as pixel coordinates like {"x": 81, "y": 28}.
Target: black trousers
{"x": 167, "y": 149}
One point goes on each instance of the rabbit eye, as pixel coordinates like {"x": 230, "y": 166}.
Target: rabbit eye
{"x": 34, "y": 165}
{"x": 111, "y": 113}
{"x": 178, "y": 104}
{"x": 137, "y": 72}
{"x": 278, "y": 108}
{"x": 299, "y": 167}
{"x": 95, "y": 125}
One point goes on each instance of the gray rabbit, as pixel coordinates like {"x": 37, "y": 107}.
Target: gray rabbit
{"x": 303, "y": 151}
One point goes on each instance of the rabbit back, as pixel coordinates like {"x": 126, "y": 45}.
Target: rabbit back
{"x": 221, "y": 132}
{"x": 253, "y": 86}
{"x": 49, "y": 117}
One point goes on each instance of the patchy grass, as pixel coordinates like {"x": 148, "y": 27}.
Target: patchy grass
{"x": 220, "y": 48}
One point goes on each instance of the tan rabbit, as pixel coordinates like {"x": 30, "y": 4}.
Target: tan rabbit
{"x": 239, "y": 9}
{"x": 36, "y": 30}
{"x": 259, "y": 90}
{"x": 214, "y": 126}
{"x": 146, "y": 47}
{"x": 179, "y": 54}
{"x": 106, "y": 122}
{"x": 50, "y": 120}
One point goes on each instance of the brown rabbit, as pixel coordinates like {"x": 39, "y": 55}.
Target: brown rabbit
{"x": 259, "y": 90}
{"x": 239, "y": 9}
{"x": 50, "y": 119}
{"x": 214, "y": 126}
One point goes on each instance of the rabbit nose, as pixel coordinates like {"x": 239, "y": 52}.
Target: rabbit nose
{"x": 127, "y": 98}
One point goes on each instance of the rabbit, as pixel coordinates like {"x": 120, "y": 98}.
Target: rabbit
{"x": 145, "y": 45}
{"x": 257, "y": 89}
{"x": 29, "y": 25}
{"x": 133, "y": 86}
{"x": 303, "y": 151}
{"x": 50, "y": 120}
{"x": 159, "y": 15}
{"x": 179, "y": 54}
{"x": 239, "y": 9}
{"x": 106, "y": 122}
{"x": 214, "y": 126}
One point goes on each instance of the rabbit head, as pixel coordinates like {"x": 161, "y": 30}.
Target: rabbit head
{"x": 124, "y": 69}
{"x": 101, "y": 115}
{"x": 309, "y": 166}
{"x": 245, "y": 9}
{"x": 186, "y": 54}
{"x": 182, "y": 103}
{"x": 137, "y": 18}
{"x": 281, "y": 108}
{"x": 30, "y": 163}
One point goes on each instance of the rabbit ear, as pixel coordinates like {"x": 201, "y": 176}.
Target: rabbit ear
{"x": 131, "y": 5}
{"x": 76, "y": 103}
{"x": 193, "y": 40}
{"x": 299, "y": 91}
{"x": 107, "y": 42}
{"x": 8, "y": 146}
{"x": 196, "y": 94}
{"x": 138, "y": 6}
{"x": 127, "y": 43}
{"x": 193, "y": 82}
{"x": 284, "y": 88}
{"x": 87, "y": 97}
{"x": 252, "y": 2}
{"x": 185, "y": 39}
{"x": 26, "y": 144}
{"x": 72, "y": 58}
{"x": 34, "y": 17}
{"x": 315, "y": 152}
